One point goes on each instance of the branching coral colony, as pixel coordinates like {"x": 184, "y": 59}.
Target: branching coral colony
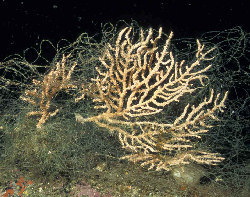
{"x": 135, "y": 81}
{"x": 45, "y": 90}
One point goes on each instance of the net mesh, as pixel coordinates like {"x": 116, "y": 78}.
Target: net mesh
{"x": 69, "y": 148}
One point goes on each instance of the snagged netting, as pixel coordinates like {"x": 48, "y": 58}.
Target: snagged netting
{"x": 83, "y": 147}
